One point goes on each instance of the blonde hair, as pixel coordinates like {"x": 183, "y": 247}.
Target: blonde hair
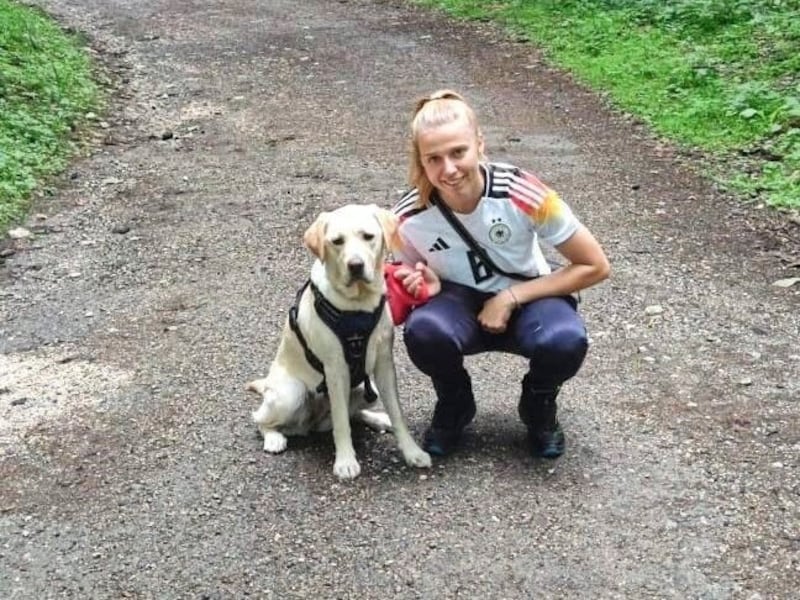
{"x": 440, "y": 108}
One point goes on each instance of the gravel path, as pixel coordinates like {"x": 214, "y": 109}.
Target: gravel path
{"x": 161, "y": 270}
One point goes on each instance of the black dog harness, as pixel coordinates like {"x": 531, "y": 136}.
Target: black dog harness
{"x": 352, "y": 327}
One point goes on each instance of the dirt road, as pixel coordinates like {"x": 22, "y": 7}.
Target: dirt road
{"x": 160, "y": 277}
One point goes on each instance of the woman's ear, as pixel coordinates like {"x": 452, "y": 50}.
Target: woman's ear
{"x": 390, "y": 226}
{"x": 314, "y": 237}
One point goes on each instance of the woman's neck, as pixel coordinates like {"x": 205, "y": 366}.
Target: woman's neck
{"x": 462, "y": 206}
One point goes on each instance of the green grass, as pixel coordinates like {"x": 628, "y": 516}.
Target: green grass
{"x": 46, "y": 90}
{"x": 722, "y": 76}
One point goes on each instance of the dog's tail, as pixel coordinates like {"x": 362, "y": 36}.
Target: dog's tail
{"x": 257, "y": 385}
{"x": 265, "y": 415}
{"x": 261, "y": 416}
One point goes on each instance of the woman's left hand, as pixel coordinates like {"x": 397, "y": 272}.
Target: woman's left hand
{"x": 496, "y": 312}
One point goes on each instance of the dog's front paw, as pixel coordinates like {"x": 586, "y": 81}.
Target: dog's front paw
{"x": 346, "y": 468}
{"x": 274, "y": 442}
{"x": 417, "y": 457}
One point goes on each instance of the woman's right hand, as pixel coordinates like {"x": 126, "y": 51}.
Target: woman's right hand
{"x": 414, "y": 279}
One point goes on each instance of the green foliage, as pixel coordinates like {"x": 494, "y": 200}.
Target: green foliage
{"x": 720, "y": 75}
{"x": 46, "y": 89}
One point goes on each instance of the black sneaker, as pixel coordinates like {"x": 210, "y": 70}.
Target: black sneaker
{"x": 538, "y": 410}
{"x": 546, "y": 443}
{"x": 441, "y": 442}
{"x": 449, "y": 419}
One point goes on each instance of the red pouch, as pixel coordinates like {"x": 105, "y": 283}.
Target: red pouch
{"x": 400, "y": 301}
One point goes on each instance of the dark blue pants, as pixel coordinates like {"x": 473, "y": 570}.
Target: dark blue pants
{"x": 548, "y": 332}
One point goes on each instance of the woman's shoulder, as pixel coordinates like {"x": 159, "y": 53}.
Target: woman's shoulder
{"x": 509, "y": 181}
{"x": 502, "y": 175}
{"x": 408, "y": 205}
{"x": 500, "y": 167}
{"x": 524, "y": 191}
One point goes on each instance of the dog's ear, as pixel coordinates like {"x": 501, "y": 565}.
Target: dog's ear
{"x": 314, "y": 237}
{"x": 390, "y": 225}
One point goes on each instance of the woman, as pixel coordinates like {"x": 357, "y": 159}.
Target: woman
{"x": 497, "y": 294}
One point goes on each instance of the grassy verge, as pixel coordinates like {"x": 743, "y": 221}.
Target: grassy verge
{"x": 722, "y": 76}
{"x": 46, "y": 90}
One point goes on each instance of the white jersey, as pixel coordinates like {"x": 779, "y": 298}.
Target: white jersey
{"x": 514, "y": 212}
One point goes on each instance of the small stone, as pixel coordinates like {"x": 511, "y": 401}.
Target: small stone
{"x": 121, "y": 229}
{"x": 786, "y": 283}
{"x": 7, "y": 252}
{"x": 18, "y": 401}
{"x": 19, "y": 233}
{"x": 654, "y": 309}
{"x": 73, "y": 274}
{"x": 167, "y": 135}
{"x": 745, "y": 381}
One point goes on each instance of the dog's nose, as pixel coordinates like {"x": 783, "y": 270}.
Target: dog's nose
{"x": 355, "y": 267}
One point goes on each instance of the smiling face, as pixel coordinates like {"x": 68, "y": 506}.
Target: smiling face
{"x": 450, "y": 154}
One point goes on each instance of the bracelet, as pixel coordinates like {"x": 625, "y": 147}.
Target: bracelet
{"x": 514, "y": 298}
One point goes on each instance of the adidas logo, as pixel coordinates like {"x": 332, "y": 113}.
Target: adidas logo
{"x": 439, "y": 244}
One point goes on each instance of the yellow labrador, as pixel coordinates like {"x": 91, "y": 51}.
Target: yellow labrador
{"x": 337, "y": 339}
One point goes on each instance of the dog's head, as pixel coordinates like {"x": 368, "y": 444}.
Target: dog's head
{"x": 352, "y": 243}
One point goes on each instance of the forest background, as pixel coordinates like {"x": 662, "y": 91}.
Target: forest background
{"x": 718, "y": 78}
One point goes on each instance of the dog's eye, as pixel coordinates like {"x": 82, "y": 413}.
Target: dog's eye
{"x": 369, "y": 236}
{"x": 338, "y": 241}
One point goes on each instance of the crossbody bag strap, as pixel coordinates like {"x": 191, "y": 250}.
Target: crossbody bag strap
{"x": 471, "y": 242}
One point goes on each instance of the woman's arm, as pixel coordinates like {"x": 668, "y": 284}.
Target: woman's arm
{"x": 587, "y": 266}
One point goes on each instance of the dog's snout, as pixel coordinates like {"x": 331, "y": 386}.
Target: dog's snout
{"x": 355, "y": 266}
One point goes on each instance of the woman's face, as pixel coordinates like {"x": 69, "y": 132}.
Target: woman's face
{"x": 450, "y": 155}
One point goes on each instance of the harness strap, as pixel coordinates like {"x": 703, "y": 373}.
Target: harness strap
{"x": 352, "y": 328}
{"x": 310, "y": 356}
